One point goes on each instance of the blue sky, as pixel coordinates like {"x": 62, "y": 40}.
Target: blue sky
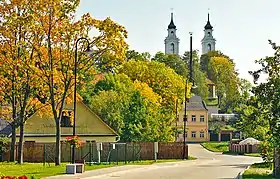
{"x": 241, "y": 27}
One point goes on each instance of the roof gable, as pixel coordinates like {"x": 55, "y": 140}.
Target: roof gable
{"x": 87, "y": 122}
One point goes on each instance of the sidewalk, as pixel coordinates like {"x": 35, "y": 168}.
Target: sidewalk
{"x": 102, "y": 171}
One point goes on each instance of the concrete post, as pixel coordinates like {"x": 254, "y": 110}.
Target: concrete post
{"x": 155, "y": 150}
{"x": 230, "y": 136}
{"x": 219, "y": 137}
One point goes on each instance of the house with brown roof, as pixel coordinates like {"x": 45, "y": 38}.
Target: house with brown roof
{"x": 89, "y": 127}
{"x": 197, "y": 121}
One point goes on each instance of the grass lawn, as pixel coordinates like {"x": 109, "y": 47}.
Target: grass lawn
{"x": 37, "y": 170}
{"x": 216, "y": 146}
{"x": 245, "y": 154}
{"x": 258, "y": 171}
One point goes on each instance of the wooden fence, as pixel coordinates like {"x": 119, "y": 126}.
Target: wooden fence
{"x": 132, "y": 151}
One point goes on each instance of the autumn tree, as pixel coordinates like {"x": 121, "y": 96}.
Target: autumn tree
{"x": 162, "y": 79}
{"x": 205, "y": 61}
{"x": 54, "y": 51}
{"x": 20, "y": 89}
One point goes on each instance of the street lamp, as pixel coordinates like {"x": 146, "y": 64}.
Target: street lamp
{"x": 186, "y": 86}
{"x": 75, "y": 89}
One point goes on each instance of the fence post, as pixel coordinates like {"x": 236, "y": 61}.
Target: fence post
{"x": 125, "y": 150}
{"x": 99, "y": 149}
{"x": 44, "y": 154}
{"x": 90, "y": 153}
{"x": 117, "y": 149}
{"x": 155, "y": 150}
{"x": 133, "y": 152}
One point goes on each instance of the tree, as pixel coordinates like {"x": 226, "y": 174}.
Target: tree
{"x": 20, "y": 89}
{"x": 226, "y": 80}
{"x": 205, "y": 60}
{"x": 163, "y": 80}
{"x": 133, "y": 55}
{"x": 55, "y": 51}
{"x": 131, "y": 108}
{"x": 199, "y": 77}
{"x": 172, "y": 61}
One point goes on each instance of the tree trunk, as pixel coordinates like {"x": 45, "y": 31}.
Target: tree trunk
{"x": 20, "y": 144}
{"x": 13, "y": 144}
{"x": 57, "y": 143}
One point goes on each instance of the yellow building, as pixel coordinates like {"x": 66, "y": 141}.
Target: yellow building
{"x": 89, "y": 127}
{"x": 197, "y": 121}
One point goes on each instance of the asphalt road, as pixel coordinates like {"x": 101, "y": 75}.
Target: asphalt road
{"x": 207, "y": 166}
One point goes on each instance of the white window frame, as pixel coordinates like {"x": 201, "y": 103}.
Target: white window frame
{"x": 202, "y": 116}
{"x": 193, "y": 118}
{"x": 193, "y": 134}
{"x": 203, "y": 134}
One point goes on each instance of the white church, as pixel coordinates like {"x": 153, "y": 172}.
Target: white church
{"x": 172, "y": 41}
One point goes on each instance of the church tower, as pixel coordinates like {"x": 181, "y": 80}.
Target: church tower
{"x": 171, "y": 41}
{"x": 208, "y": 42}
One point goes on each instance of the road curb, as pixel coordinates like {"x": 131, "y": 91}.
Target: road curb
{"x": 240, "y": 174}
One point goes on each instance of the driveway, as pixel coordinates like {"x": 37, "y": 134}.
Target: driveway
{"x": 208, "y": 165}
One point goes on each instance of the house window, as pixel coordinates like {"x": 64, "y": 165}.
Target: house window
{"x": 65, "y": 119}
{"x": 201, "y": 134}
{"x": 193, "y": 134}
{"x": 193, "y": 118}
{"x": 201, "y": 118}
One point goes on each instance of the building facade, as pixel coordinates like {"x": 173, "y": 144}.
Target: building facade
{"x": 197, "y": 121}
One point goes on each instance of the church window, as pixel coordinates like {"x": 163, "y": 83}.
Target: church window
{"x": 172, "y": 48}
{"x": 209, "y": 47}
{"x": 209, "y": 34}
{"x": 172, "y": 32}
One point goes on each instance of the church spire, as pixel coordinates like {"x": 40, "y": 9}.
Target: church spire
{"x": 171, "y": 25}
{"x": 208, "y": 25}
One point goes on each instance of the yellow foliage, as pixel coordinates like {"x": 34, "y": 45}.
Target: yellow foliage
{"x": 147, "y": 92}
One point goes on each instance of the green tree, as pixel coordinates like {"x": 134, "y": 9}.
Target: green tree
{"x": 134, "y": 55}
{"x": 131, "y": 108}
{"x": 226, "y": 80}
{"x": 199, "y": 77}
{"x": 172, "y": 61}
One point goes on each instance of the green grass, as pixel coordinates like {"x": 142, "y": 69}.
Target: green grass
{"x": 258, "y": 171}
{"x": 245, "y": 154}
{"x": 216, "y": 146}
{"x": 37, "y": 170}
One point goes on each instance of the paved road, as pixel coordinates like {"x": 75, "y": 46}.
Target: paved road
{"x": 208, "y": 166}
